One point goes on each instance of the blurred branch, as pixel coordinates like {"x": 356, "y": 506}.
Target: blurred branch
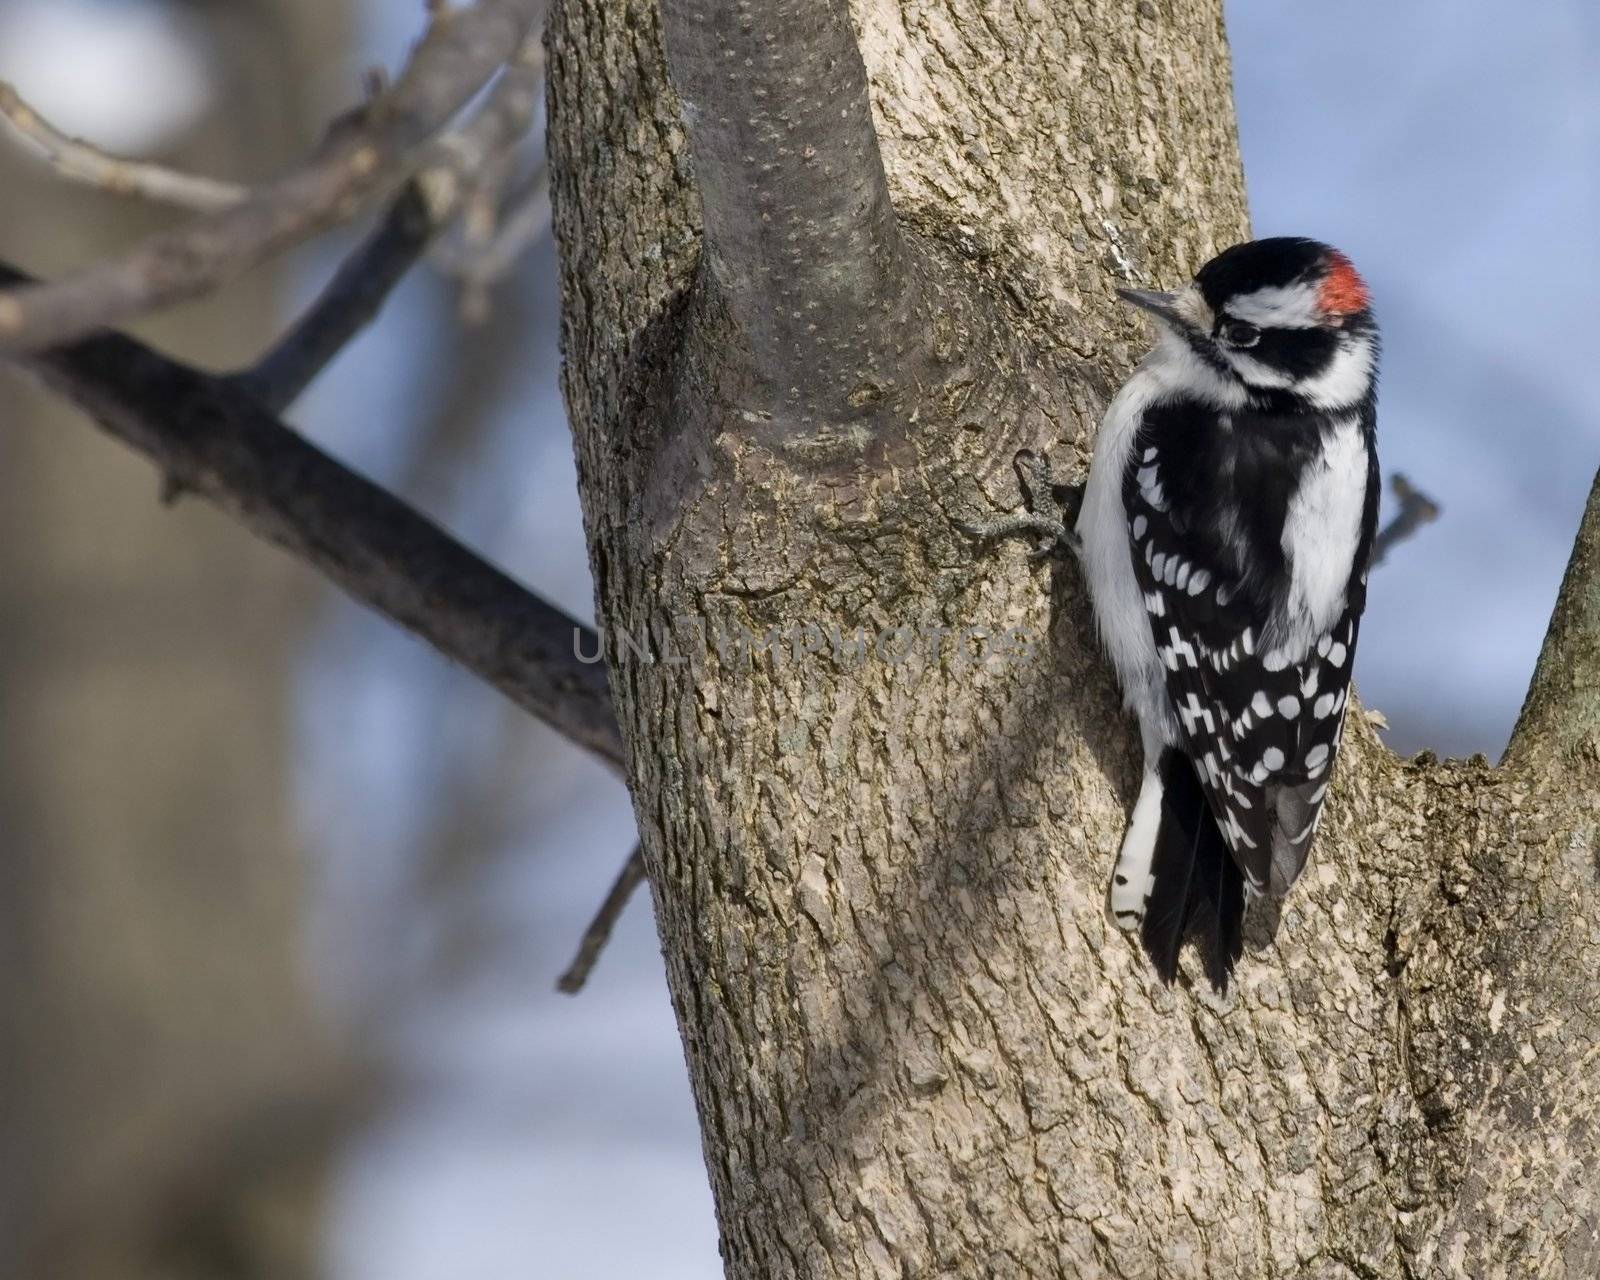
{"x": 80, "y": 161}
{"x": 1416, "y": 509}
{"x": 371, "y": 152}
{"x": 353, "y": 298}
{"x": 487, "y": 257}
{"x": 599, "y": 931}
{"x": 350, "y": 302}
{"x": 209, "y": 438}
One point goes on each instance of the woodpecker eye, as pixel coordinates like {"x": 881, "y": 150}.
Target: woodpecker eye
{"x": 1236, "y": 333}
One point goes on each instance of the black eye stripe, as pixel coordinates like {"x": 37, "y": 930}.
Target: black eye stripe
{"x": 1301, "y": 353}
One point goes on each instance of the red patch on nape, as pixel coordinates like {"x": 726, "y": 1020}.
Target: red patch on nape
{"x": 1343, "y": 292}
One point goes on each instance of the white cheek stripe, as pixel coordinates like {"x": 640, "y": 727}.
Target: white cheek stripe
{"x": 1342, "y": 384}
{"x": 1279, "y": 306}
{"x": 1256, "y": 373}
{"x": 1346, "y": 379}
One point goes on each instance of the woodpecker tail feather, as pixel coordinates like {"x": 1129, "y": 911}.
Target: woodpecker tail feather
{"x": 1197, "y": 891}
{"x": 1131, "y": 878}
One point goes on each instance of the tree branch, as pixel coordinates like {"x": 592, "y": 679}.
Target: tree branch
{"x": 1563, "y": 703}
{"x": 381, "y": 147}
{"x": 209, "y": 439}
{"x": 481, "y": 262}
{"x": 350, "y": 302}
{"x": 1416, "y": 509}
{"x": 801, "y": 240}
{"x": 83, "y": 162}
{"x": 353, "y": 298}
{"x": 605, "y": 920}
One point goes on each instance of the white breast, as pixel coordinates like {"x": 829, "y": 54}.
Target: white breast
{"x": 1320, "y": 534}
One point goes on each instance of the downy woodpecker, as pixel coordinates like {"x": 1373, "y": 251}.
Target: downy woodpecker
{"x": 1225, "y": 534}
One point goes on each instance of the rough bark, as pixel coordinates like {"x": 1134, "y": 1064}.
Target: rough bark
{"x": 917, "y": 1046}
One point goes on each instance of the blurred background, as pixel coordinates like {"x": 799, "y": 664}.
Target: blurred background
{"x": 283, "y": 898}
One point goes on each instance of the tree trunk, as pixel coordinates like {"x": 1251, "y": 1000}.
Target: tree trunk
{"x": 879, "y": 844}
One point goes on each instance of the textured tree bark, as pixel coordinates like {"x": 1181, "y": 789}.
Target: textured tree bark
{"x": 879, "y": 846}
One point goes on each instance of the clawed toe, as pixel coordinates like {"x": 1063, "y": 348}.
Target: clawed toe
{"x": 1048, "y": 517}
{"x": 1054, "y": 536}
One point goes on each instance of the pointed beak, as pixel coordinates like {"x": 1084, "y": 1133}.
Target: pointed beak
{"x": 1161, "y": 305}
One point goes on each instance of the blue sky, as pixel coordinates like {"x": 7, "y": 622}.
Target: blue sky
{"x": 1451, "y": 149}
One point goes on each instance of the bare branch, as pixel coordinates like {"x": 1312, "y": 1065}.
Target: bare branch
{"x": 350, "y": 302}
{"x": 1416, "y": 510}
{"x": 83, "y": 162}
{"x": 210, "y": 439}
{"x": 362, "y": 159}
{"x": 523, "y": 223}
{"x": 427, "y": 203}
{"x": 801, "y": 240}
{"x": 464, "y": 152}
{"x": 598, "y": 933}
{"x": 1563, "y": 703}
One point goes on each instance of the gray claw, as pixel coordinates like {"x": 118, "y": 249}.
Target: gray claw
{"x": 1060, "y": 541}
{"x": 1054, "y": 536}
{"x": 1046, "y": 518}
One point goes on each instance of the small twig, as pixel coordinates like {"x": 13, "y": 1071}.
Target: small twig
{"x": 522, "y": 225}
{"x": 79, "y": 161}
{"x": 481, "y": 215}
{"x": 489, "y": 239}
{"x": 367, "y": 157}
{"x": 598, "y": 933}
{"x": 461, "y": 156}
{"x": 1416, "y": 509}
{"x": 487, "y": 177}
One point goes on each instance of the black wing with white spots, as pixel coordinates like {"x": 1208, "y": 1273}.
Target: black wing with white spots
{"x": 1259, "y": 718}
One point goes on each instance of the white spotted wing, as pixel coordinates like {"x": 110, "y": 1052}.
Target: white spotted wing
{"x": 1261, "y": 720}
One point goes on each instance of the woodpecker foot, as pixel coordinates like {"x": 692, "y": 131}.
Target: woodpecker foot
{"x": 1052, "y": 510}
{"x": 1054, "y": 536}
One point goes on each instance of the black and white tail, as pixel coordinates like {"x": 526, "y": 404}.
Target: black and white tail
{"x": 1175, "y": 878}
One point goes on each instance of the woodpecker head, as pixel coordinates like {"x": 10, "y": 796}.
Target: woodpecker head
{"x": 1270, "y": 320}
